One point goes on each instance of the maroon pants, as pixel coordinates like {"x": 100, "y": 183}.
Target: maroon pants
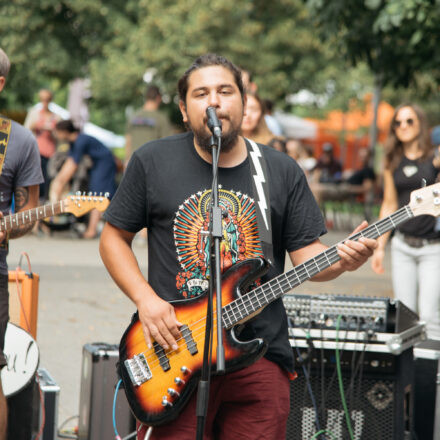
{"x": 252, "y": 403}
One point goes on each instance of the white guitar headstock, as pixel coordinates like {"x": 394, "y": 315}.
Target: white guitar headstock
{"x": 426, "y": 200}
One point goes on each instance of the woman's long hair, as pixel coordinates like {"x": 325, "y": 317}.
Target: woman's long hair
{"x": 261, "y": 133}
{"x": 394, "y": 147}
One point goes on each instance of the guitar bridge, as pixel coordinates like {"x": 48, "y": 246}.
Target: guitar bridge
{"x": 138, "y": 369}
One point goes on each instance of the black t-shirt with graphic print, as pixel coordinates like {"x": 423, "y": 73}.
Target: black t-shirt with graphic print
{"x": 407, "y": 178}
{"x": 166, "y": 188}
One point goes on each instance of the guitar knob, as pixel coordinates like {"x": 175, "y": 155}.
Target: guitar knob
{"x": 185, "y": 370}
{"x": 166, "y": 403}
{"x": 173, "y": 393}
{"x": 178, "y": 381}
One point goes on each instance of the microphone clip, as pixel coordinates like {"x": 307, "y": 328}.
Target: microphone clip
{"x": 214, "y": 124}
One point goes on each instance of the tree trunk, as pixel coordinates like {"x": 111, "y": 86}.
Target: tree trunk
{"x": 376, "y": 100}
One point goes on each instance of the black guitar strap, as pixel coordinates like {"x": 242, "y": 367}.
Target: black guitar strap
{"x": 261, "y": 196}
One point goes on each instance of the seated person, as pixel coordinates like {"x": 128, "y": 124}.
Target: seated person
{"x": 365, "y": 176}
{"x": 102, "y": 173}
{"x": 328, "y": 169}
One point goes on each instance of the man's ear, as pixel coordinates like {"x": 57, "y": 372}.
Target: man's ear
{"x": 2, "y": 82}
{"x": 182, "y": 108}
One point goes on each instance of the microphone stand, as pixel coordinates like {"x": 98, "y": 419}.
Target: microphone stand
{"x": 215, "y": 235}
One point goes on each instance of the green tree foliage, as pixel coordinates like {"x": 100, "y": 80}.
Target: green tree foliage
{"x": 397, "y": 38}
{"x": 114, "y": 42}
{"x": 52, "y": 39}
{"x": 274, "y": 41}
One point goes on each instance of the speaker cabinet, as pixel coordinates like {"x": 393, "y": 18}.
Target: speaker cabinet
{"x": 98, "y": 384}
{"x": 378, "y": 389}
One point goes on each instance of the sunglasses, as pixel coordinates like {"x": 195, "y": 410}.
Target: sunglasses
{"x": 409, "y": 122}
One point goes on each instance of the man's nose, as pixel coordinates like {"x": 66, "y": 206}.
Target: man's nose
{"x": 213, "y": 100}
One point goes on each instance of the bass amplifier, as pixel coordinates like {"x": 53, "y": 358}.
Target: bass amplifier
{"x": 379, "y": 399}
{"x": 98, "y": 383}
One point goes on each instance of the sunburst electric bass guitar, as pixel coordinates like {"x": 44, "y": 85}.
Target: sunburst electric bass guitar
{"x": 77, "y": 205}
{"x": 158, "y": 382}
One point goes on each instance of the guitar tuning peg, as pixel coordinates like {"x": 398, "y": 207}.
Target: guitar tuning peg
{"x": 107, "y": 194}
{"x": 78, "y": 193}
{"x": 90, "y": 193}
{"x": 94, "y": 194}
{"x": 423, "y": 183}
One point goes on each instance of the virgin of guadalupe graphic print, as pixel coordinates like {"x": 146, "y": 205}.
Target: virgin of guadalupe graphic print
{"x": 240, "y": 237}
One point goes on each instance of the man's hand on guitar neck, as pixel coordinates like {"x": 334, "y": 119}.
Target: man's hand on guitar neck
{"x": 158, "y": 321}
{"x": 355, "y": 253}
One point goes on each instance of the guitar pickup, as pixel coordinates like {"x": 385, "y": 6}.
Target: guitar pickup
{"x": 162, "y": 356}
{"x": 138, "y": 369}
{"x": 190, "y": 343}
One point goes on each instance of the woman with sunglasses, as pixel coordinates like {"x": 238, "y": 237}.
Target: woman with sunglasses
{"x": 415, "y": 246}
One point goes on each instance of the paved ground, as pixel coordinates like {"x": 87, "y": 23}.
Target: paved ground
{"x": 79, "y": 303}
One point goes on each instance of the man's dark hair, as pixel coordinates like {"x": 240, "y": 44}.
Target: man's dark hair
{"x": 207, "y": 60}
{"x": 152, "y": 93}
{"x": 66, "y": 126}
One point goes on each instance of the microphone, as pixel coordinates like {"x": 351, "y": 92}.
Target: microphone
{"x": 213, "y": 122}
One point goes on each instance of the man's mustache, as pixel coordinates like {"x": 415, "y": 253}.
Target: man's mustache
{"x": 219, "y": 116}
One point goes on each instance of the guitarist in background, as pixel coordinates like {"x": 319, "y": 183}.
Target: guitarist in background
{"x": 20, "y": 178}
{"x": 166, "y": 188}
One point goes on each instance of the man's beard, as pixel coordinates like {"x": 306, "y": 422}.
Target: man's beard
{"x": 203, "y": 138}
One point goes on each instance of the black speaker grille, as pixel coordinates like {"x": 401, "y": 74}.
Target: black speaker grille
{"x": 370, "y": 403}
